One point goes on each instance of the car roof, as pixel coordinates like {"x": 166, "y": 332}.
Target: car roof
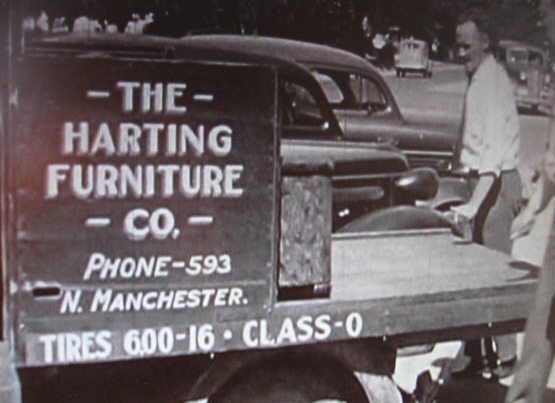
{"x": 153, "y": 47}
{"x": 310, "y": 55}
{"x": 149, "y": 47}
{"x": 413, "y": 40}
{"x": 298, "y": 51}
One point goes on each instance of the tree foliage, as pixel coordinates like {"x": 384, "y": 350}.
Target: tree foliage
{"x": 335, "y": 22}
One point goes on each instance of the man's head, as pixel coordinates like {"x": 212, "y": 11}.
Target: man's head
{"x": 474, "y": 38}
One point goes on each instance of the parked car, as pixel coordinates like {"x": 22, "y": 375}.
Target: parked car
{"x": 366, "y": 177}
{"x": 360, "y": 98}
{"x": 528, "y": 69}
{"x": 413, "y": 56}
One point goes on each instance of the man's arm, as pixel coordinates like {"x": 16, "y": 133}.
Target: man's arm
{"x": 470, "y": 209}
{"x": 537, "y": 353}
{"x": 543, "y": 191}
{"x": 542, "y": 194}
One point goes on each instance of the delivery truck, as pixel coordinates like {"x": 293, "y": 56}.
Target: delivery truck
{"x": 171, "y": 231}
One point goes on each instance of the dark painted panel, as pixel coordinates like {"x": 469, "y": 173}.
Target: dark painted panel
{"x": 142, "y": 186}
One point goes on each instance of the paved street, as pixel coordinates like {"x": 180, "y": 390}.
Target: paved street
{"x": 441, "y": 98}
{"x": 444, "y": 93}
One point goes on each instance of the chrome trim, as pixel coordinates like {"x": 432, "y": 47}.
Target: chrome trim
{"x": 392, "y": 233}
{"x": 368, "y": 176}
{"x": 429, "y": 153}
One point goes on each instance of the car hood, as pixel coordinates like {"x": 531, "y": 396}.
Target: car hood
{"x": 340, "y": 158}
{"x": 404, "y": 135}
{"x": 520, "y": 73}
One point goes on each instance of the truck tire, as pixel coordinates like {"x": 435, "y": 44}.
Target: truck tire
{"x": 292, "y": 379}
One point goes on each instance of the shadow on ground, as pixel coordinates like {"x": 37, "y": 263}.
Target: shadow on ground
{"x": 478, "y": 391}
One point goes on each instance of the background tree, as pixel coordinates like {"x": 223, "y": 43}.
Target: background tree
{"x": 333, "y": 22}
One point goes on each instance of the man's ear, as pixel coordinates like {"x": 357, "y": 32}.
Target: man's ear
{"x": 485, "y": 42}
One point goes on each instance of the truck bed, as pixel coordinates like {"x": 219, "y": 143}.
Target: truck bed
{"x": 373, "y": 266}
{"x": 423, "y": 286}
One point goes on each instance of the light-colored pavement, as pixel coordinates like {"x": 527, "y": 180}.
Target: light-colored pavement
{"x": 440, "y": 99}
{"x": 445, "y": 92}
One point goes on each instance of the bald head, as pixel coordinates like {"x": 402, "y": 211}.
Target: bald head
{"x": 472, "y": 45}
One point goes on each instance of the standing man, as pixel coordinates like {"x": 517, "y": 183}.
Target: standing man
{"x": 489, "y": 159}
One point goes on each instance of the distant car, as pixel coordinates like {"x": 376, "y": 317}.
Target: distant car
{"x": 360, "y": 98}
{"x": 528, "y": 69}
{"x": 413, "y": 56}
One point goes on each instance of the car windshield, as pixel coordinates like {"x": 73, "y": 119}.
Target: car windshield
{"x": 519, "y": 56}
{"x": 535, "y": 59}
{"x": 413, "y": 45}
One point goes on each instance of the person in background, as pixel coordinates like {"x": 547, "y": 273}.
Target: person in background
{"x": 539, "y": 341}
{"x": 37, "y": 23}
{"x": 489, "y": 159}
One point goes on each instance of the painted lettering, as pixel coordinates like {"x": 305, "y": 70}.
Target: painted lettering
{"x": 108, "y": 300}
{"x": 105, "y": 181}
{"x": 76, "y": 347}
{"x": 129, "y": 138}
{"x": 153, "y": 97}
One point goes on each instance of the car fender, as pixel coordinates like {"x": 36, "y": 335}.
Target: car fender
{"x": 398, "y": 218}
{"x": 452, "y": 191}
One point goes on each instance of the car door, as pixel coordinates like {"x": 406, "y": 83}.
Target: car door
{"x": 362, "y": 106}
{"x": 311, "y": 143}
{"x": 366, "y": 111}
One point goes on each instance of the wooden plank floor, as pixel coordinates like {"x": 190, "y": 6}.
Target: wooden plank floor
{"x": 375, "y": 267}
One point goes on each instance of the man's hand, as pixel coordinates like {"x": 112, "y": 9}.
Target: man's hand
{"x": 530, "y": 379}
{"x": 541, "y": 196}
{"x": 468, "y": 211}
{"x": 523, "y": 223}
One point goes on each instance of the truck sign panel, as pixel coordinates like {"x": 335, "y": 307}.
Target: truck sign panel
{"x": 145, "y": 192}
